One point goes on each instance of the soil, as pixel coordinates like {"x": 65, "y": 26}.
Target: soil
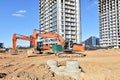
{"x": 94, "y": 64}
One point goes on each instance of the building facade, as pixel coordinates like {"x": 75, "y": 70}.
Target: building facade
{"x": 1, "y": 45}
{"x": 109, "y": 22}
{"x": 92, "y": 42}
{"x": 61, "y": 17}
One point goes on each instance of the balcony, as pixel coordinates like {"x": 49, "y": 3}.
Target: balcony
{"x": 72, "y": 0}
{"x": 68, "y": 32}
{"x": 72, "y": 24}
{"x": 67, "y": 15}
{"x": 72, "y": 16}
{"x": 73, "y": 33}
{"x": 51, "y": 29}
{"x": 73, "y": 37}
{"x": 73, "y": 12}
{"x": 73, "y": 20}
{"x": 67, "y": 19}
{"x": 68, "y": 28}
{"x": 67, "y": 3}
{"x": 67, "y": 11}
{"x": 72, "y": 8}
{"x": 73, "y": 29}
{"x": 68, "y": 36}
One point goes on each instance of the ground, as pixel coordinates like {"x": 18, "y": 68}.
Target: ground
{"x": 96, "y": 65}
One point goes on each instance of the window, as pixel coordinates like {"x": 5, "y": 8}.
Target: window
{"x": 62, "y": 35}
{"x": 62, "y": 22}
{"x": 62, "y": 30}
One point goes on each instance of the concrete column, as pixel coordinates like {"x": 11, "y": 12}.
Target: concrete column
{"x": 58, "y": 16}
{"x": 78, "y": 21}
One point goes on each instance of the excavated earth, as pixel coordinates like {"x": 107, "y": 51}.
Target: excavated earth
{"x": 96, "y": 65}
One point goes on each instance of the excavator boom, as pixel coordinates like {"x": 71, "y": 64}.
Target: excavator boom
{"x": 47, "y": 35}
{"x": 22, "y": 37}
{"x": 52, "y": 35}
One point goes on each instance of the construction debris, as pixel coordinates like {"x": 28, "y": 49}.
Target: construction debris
{"x": 71, "y": 69}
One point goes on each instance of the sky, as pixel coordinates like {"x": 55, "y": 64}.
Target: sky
{"x": 22, "y": 17}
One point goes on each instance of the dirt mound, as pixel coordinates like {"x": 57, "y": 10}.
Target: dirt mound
{"x": 40, "y": 72}
{"x": 22, "y": 76}
{"x": 96, "y": 65}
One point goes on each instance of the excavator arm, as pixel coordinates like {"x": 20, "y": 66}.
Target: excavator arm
{"x": 52, "y": 35}
{"x": 47, "y": 35}
{"x": 22, "y": 37}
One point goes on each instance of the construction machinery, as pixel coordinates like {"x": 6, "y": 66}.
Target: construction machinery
{"x": 2, "y": 48}
{"x": 33, "y": 40}
{"x": 35, "y": 35}
{"x": 78, "y": 47}
{"x": 74, "y": 47}
{"x": 14, "y": 51}
{"x": 21, "y": 37}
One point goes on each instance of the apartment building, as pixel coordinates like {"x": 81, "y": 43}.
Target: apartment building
{"x": 92, "y": 42}
{"x": 61, "y": 17}
{"x": 109, "y": 23}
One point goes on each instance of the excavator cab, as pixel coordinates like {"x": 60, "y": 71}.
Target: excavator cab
{"x": 39, "y": 45}
{"x": 68, "y": 45}
{"x": 71, "y": 46}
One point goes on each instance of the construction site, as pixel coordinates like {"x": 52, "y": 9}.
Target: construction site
{"x": 57, "y": 62}
{"x": 56, "y": 50}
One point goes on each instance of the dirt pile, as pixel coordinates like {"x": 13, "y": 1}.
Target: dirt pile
{"x": 96, "y": 65}
{"x": 41, "y": 72}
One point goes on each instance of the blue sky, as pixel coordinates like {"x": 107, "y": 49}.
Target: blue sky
{"x": 22, "y": 16}
{"x": 89, "y": 18}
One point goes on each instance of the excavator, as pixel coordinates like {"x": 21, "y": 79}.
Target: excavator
{"x": 21, "y": 37}
{"x": 35, "y": 35}
{"x": 33, "y": 40}
{"x": 14, "y": 51}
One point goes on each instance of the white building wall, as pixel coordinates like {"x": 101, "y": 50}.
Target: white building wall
{"x": 109, "y": 20}
{"x": 78, "y": 21}
{"x": 67, "y": 26}
{"x": 59, "y": 17}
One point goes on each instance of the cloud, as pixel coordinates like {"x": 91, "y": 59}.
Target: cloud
{"x": 22, "y": 11}
{"x": 19, "y": 13}
{"x": 92, "y": 4}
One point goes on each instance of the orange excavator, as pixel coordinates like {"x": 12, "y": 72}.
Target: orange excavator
{"x": 14, "y": 51}
{"x": 22, "y": 37}
{"x": 33, "y": 39}
{"x": 35, "y": 35}
{"x": 78, "y": 47}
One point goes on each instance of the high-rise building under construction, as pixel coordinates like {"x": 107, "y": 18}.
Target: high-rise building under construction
{"x": 109, "y": 21}
{"x": 61, "y": 17}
